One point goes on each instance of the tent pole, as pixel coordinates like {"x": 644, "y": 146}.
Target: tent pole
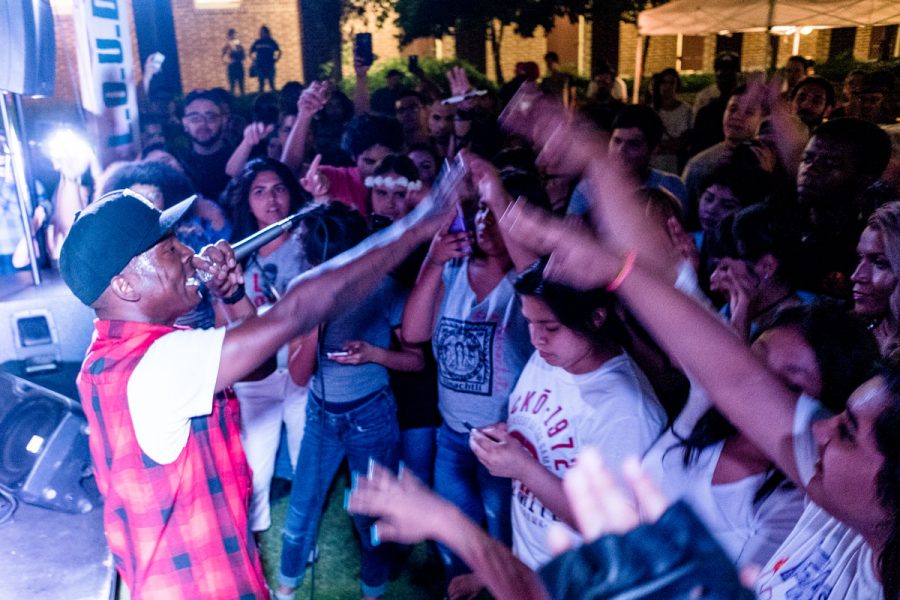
{"x": 638, "y": 70}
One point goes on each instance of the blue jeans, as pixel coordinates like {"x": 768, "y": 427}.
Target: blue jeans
{"x": 461, "y": 479}
{"x": 417, "y": 452}
{"x": 367, "y": 432}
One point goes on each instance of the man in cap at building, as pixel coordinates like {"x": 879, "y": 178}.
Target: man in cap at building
{"x": 164, "y": 423}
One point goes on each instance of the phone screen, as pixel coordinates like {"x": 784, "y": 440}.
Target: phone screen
{"x": 363, "y": 48}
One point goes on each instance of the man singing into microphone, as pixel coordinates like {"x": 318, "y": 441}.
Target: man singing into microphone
{"x": 164, "y": 423}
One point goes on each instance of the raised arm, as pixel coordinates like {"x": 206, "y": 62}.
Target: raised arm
{"x": 254, "y": 133}
{"x": 492, "y": 193}
{"x": 423, "y": 304}
{"x": 321, "y": 293}
{"x": 736, "y": 380}
{"x": 361, "y": 90}
{"x": 311, "y": 101}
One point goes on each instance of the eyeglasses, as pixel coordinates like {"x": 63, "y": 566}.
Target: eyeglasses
{"x": 200, "y": 118}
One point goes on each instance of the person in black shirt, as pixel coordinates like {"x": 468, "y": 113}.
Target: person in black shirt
{"x": 265, "y": 52}
{"x": 233, "y": 56}
{"x": 204, "y": 162}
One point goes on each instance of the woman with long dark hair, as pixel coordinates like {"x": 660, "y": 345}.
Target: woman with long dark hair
{"x": 263, "y": 193}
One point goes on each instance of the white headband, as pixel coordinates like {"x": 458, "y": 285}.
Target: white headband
{"x": 393, "y": 182}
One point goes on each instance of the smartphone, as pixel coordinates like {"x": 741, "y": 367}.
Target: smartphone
{"x": 338, "y": 354}
{"x": 362, "y": 48}
{"x": 459, "y": 223}
{"x": 413, "y": 64}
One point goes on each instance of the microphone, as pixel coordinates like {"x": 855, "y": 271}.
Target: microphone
{"x": 250, "y": 244}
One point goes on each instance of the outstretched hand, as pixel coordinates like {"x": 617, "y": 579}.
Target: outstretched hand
{"x": 577, "y": 257}
{"x": 601, "y": 506}
{"x": 406, "y": 510}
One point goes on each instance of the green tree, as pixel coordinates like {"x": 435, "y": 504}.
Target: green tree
{"x": 471, "y": 20}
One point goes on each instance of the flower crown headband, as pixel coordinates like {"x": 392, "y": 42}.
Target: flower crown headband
{"x": 391, "y": 182}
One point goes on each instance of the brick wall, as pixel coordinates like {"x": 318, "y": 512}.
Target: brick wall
{"x": 200, "y": 34}
{"x": 515, "y": 48}
{"x": 66, "y": 58}
{"x": 862, "y": 42}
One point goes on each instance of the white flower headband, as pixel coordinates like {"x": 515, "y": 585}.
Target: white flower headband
{"x": 393, "y": 182}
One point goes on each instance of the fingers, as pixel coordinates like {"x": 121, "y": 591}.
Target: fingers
{"x": 530, "y": 227}
{"x": 650, "y": 499}
{"x": 314, "y": 165}
{"x": 559, "y": 539}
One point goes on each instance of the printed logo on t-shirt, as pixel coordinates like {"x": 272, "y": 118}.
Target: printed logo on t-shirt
{"x": 808, "y": 580}
{"x": 465, "y": 355}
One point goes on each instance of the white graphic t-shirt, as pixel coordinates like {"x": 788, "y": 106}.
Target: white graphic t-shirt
{"x": 822, "y": 558}
{"x": 556, "y": 415}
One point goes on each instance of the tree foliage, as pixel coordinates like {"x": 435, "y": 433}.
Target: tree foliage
{"x": 423, "y": 18}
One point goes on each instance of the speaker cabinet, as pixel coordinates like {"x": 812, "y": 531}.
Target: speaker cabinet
{"x": 28, "y": 47}
{"x": 44, "y": 454}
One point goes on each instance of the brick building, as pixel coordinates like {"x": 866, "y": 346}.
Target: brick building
{"x": 200, "y": 26}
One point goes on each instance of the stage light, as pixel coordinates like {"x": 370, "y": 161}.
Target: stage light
{"x": 64, "y": 145}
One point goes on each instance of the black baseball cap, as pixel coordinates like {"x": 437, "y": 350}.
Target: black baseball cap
{"x": 108, "y": 234}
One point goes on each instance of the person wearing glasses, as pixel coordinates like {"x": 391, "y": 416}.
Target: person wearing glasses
{"x": 204, "y": 161}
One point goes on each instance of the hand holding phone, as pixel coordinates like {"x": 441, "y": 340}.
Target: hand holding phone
{"x": 459, "y": 223}
{"x": 362, "y": 48}
{"x": 337, "y": 354}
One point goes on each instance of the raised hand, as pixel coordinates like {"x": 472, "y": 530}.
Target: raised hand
{"x": 487, "y": 180}
{"x": 577, "y": 258}
{"x": 459, "y": 81}
{"x": 256, "y": 132}
{"x": 314, "y": 181}
{"x": 601, "y": 506}
{"x": 313, "y": 99}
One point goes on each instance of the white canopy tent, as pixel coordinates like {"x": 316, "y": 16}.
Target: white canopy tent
{"x": 702, "y": 17}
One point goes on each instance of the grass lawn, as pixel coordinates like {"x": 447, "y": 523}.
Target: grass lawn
{"x": 337, "y": 572}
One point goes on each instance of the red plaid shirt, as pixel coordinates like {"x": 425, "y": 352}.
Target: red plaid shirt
{"x": 178, "y": 530}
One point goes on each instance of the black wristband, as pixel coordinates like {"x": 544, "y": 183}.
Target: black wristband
{"x": 235, "y": 297}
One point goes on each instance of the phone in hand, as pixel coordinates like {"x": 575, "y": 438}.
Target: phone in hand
{"x": 338, "y": 354}
{"x": 459, "y": 223}
{"x": 362, "y": 48}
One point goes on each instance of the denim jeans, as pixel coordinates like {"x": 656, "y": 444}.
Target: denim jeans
{"x": 417, "y": 452}
{"x": 461, "y": 479}
{"x": 367, "y": 432}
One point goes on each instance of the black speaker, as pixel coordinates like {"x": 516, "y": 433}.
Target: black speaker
{"x": 44, "y": 454}
{"x": 28, "y": 47}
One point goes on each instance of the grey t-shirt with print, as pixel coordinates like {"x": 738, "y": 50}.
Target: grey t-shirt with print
{"x": 480, "y": 348}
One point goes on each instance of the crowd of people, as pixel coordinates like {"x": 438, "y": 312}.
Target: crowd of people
{"x": 500, "y": 308}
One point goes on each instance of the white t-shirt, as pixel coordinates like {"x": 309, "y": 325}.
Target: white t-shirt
{"x": 822, "y": 558}
{"x": 748, "y": 532}
{"x": 556, "y": 415}
{"x": 174, "y": 382}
